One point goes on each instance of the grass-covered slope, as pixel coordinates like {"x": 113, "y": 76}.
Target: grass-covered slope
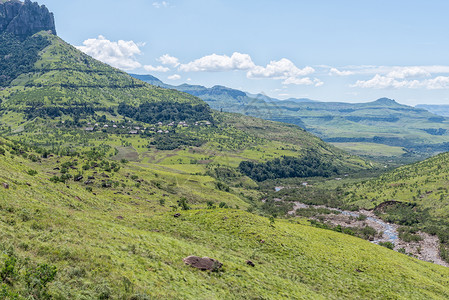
{"x": 414, "y": 196}
{"x": 122, "y": 242}
{"x": 423, "y": 183}
{"x": 64, "y": 76}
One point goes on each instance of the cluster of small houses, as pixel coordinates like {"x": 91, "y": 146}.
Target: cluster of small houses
{"x": 137, "y": 129}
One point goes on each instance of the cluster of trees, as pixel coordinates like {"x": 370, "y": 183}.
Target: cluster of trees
{"x": 17, "y": 57}
{"x": 434, "y": 131}
{"x": 154, "y": 112}
{"x": 309, "y": 165}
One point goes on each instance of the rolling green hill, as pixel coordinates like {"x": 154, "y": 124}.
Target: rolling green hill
{"x": 121, "y": 241}
{"x": 382, "y": 128}
{"x": 414, "y": 196}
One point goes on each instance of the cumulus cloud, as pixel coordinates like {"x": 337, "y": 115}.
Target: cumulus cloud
{"x": 174, "y": 77}
{"x": 150, "y": 68}
{"x": 407, "y": 72}
{"x": 303, "y": 81}
{"x": 335, "y": 71}
{"x": 440, "y": 82}
{"x": 399, "y": 72}
{"x": 281, "y": 69}
{"x": 161, "y": 4}
{"x": 219, "y": 63}
{"x": 405, "y": 77}
{"x": 169, "y": 60}
{"x": 385, "y": 82}
{"x": 120, "y": 54}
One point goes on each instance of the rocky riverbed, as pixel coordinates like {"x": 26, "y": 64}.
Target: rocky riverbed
{"x": 427, "y": 249}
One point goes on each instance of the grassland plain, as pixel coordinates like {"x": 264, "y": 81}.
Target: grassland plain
{"x": 122, "y": 242}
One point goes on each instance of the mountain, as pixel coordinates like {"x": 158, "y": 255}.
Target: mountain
{"x": 24, "y": 19}
{"x": 108, "y": 186}
{"x": 441, "y": 110}
{"x": 382, "y": 129}
{"x": 65, "y": 85}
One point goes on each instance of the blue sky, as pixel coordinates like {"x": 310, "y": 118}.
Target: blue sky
{"x": 354, "y": 51}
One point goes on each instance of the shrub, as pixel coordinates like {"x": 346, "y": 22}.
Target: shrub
{"x": 32, "y": 172}
{"x": 388, "y": 245}
{"x": 8, "y": 273}
{"x": 183, "y": 204}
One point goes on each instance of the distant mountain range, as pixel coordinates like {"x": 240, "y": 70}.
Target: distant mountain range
{"x": 441, "y": 110}
{"x": 350, "y": 125}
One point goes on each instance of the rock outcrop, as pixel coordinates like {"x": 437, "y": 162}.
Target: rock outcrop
{"x": 204, "y": 263}
{"x": 25, "y": 18}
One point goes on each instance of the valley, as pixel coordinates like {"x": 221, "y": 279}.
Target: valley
{"x": 115, "y": 186}
{"x": 381, "y": 130}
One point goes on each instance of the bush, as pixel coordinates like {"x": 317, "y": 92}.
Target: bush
{"x": 183, "y": 204}
{"x": 8, "y": 273}
{"x": 388, "y": 245}
{"x": 32, "y": 172}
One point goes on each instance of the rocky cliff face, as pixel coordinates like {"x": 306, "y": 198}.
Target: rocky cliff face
{"x": 25, "y": 18}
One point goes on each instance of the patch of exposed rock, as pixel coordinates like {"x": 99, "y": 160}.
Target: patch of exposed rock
{"x": 204, "y": 263}
{"x": 24, "y": 19}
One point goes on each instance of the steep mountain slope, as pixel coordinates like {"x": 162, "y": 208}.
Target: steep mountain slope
{"x": 379, "y": 128}
{"x": 122, "y": 242}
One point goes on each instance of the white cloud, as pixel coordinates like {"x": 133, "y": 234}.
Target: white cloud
{"x": 150, "y": 68}
{"x": 169, "y": 60}
{"x": 407, "y": 72}
{"x": 303, "y": 81}
{"x": 120, "y": 54}
{"x": 174, "y": 77}
{"x": 335, "y": 71}
{"x": 281, "y": 69}
{"x": 161, "y": 4}
{"x": 440, "y": 82}
{"x": 385, "y": 82}
{"x": 399, "y": 72}
{"x": 219, "y": 63}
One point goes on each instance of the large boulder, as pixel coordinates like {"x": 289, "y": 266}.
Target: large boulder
{"x": 204, "y": 263}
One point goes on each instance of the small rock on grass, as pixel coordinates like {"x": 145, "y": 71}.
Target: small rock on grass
{"x": 203, "y": 264}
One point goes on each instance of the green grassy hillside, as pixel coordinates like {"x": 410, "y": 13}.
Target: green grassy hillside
{"x": 415, "y": 196}
{"x": 123, "y": 242}
{"x": 423, "y": 183}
